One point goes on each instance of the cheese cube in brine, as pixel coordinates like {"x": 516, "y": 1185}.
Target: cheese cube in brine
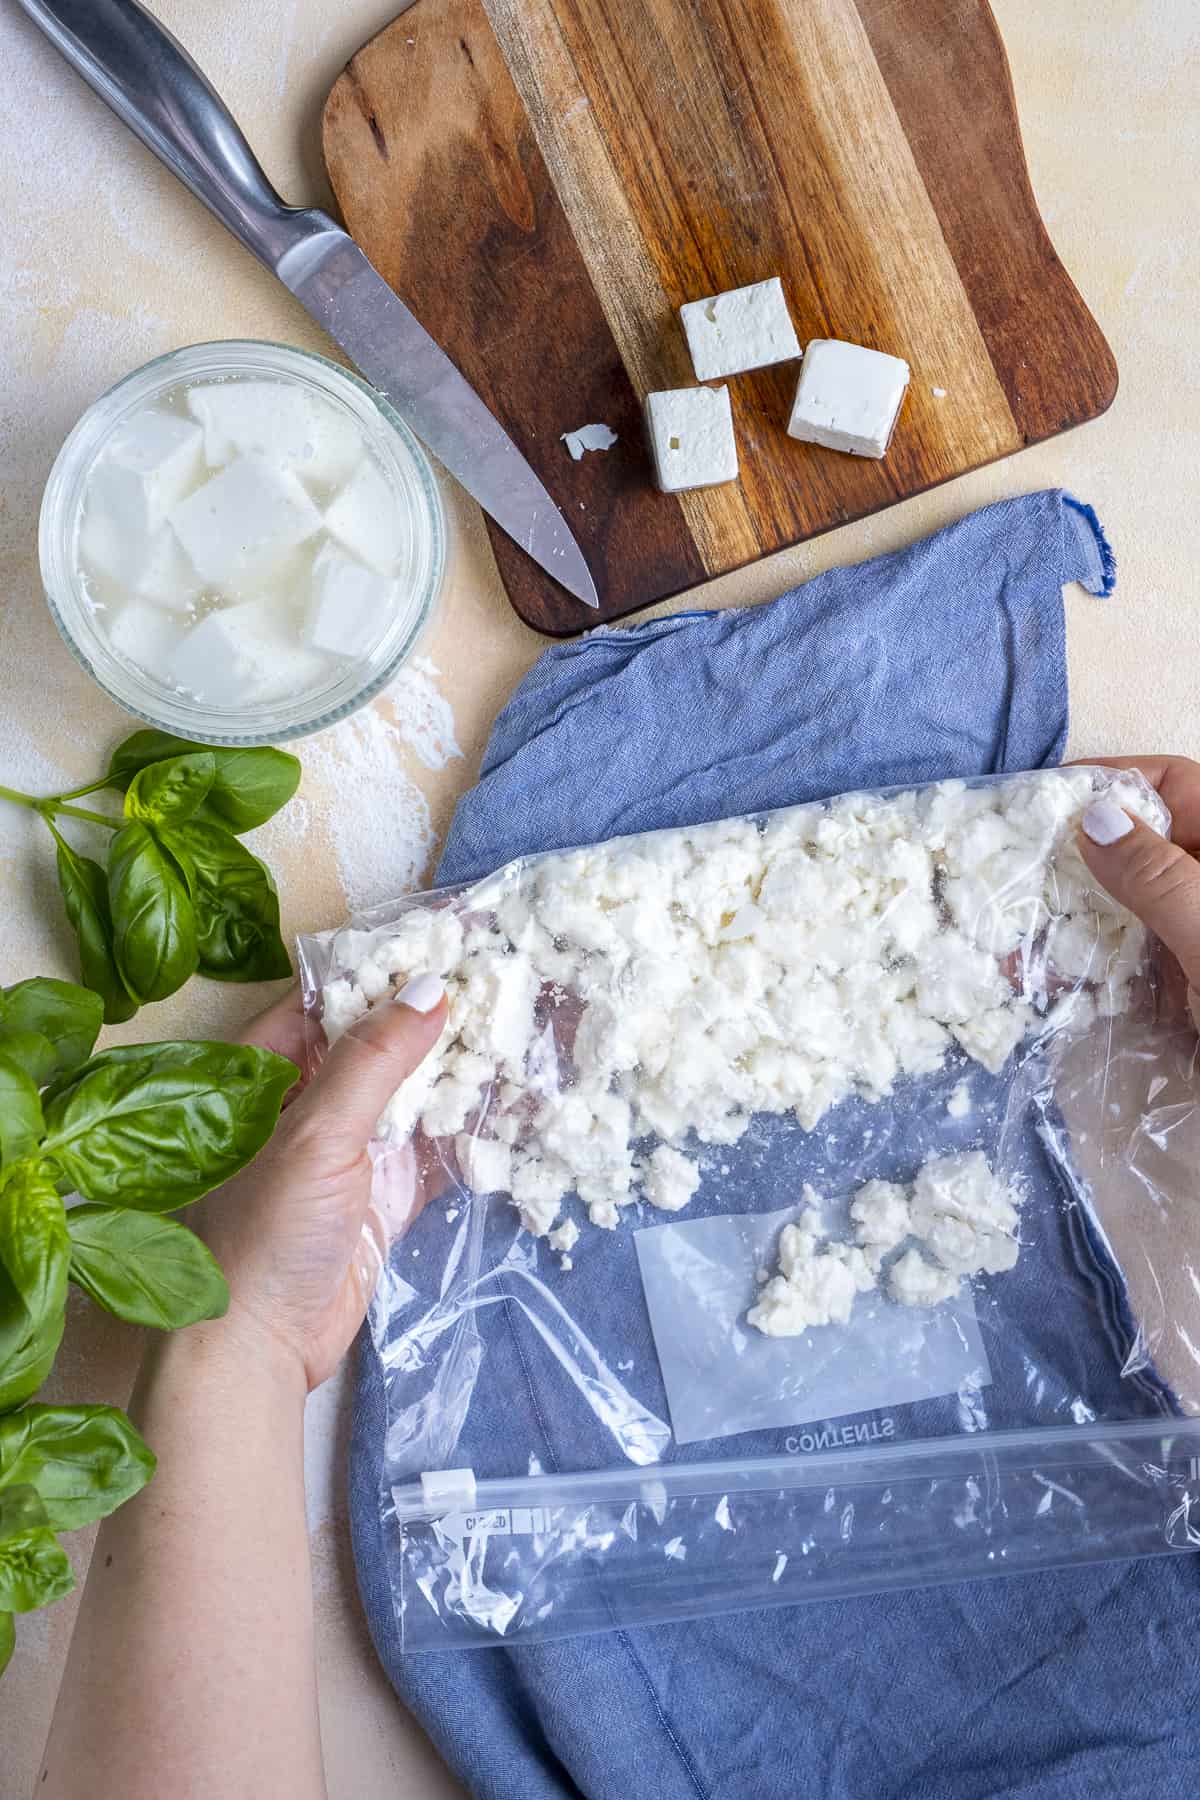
{"x": 289, "y": 426}
{"x": 143, "y": 634}
{"x": 848, "y": 397}
{"x": 744, "y": 328}
{"x": 154, "y": 568}
{"x": 365, "y": 519}
{"x": 166, "y": 576}
{"x": 242, "y": 523}
{"x": 351, "y": 605}
{"x": 149, "y": 463}
{"x": 691, "y": 438}
{"x": 244, "y": 653}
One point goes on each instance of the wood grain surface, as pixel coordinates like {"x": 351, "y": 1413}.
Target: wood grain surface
{"x": 545, "y": 182}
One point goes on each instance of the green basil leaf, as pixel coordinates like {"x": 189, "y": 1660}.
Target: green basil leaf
{"x": 30, "y": 1051}
{"x": 154, "y": 1126}
{"x": 154, "y": 926}
{"x": 23, "y": 1372}
{"x": 33, "y": 1238}
{"x": 83, "y": 1461}
{"x": 8, "y": 1640}
{"x": 21, "y": 1508}
{"x": 34, "y": 1259}
{"x": 69, "y": 1016}
{"x": 34, "y": 1570}
{"x": 237, "y": 907}
{"x": 21, "y": 1124}
{"x": 146, "y": 1269}
{"x": 85, "y": 895}
{"x": 249, "y": 786}
{"x": 170, "y": 790}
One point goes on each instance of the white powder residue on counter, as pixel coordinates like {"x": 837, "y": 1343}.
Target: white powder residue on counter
{"x": 376, "y": 817}
{"x": 423, "y": 714}
{"x": 25, "y": 768}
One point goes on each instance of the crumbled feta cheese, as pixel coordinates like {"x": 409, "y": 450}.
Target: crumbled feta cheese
{"x": 817, "y": 1286}
{"x": 669, "y": 1179}
{"x": 914, "y": 1282}
{"x": 743, "y": 328}
{"x": 691, "y": 438}
{"x": 959, "y": 1104}
{"x": 961, "y": 1217}
{"x": 485, "y": 1163}
{"x": 588, "y": 437}
{"x": 538, "y": 1186}
{"x": 880, "y": 1215}
{"x": 565, "y": 1237}
{"x": 678, "y": 984}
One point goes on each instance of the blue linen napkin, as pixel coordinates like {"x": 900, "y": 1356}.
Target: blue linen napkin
{"x": 943, "y": 659}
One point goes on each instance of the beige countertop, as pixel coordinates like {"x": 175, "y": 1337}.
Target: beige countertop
{"x": 108, "y": 262}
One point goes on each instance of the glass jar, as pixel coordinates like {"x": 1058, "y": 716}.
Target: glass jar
{"x": 352, "y": 681}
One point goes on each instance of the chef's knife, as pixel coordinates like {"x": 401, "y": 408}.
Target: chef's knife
{"x": 151, "y": 83}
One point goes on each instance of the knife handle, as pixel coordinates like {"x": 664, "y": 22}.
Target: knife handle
{"x": 151, "y": 82}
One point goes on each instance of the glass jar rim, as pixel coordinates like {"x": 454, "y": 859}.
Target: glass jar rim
{"x": 385, "y": 434}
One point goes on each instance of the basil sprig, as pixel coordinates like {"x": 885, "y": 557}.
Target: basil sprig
{"x": 137, "y": 1132}
{"x": 178, "y": 895}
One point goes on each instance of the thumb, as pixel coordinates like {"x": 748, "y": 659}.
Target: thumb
{"x": 1154, "y": 878}
{"x": 368, "y": 1062}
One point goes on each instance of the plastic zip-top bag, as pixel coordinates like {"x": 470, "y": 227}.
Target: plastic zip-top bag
{"x": 750, "y": 1227}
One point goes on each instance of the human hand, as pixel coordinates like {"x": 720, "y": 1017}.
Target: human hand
{"x": 1156, "y": 879}
{"x": 295, "y": 1232}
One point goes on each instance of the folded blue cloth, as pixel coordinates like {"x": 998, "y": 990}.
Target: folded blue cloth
{"x": 943, "y": 659}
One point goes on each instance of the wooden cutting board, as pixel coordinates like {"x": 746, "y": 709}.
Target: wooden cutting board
{"x": 546, "y": 181}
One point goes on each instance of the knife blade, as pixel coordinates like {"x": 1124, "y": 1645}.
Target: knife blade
{"x": 337, "y": 285}
{"x": 152, "y": 84}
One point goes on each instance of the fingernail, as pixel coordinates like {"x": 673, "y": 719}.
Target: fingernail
{"x": 1105, "y": 822}
{"x": 422, "y": 993}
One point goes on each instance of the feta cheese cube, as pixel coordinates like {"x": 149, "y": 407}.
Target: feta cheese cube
{"x": 365, "y": 518}
{"x": 290, "y": 427}
{"x": 243, "y": 522}
{"x": 152, "y": 568}
{"x": 244, "y": 653}
{"x": 149, "y": 463}
{"x": 166, "y": 576}
{"x": 848, "y": 397}
{"x": 691, "y": 438}
{"x": 350, "y": 605}
{"x": 744, "y": 328}
{"x": 143, "y": 634}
